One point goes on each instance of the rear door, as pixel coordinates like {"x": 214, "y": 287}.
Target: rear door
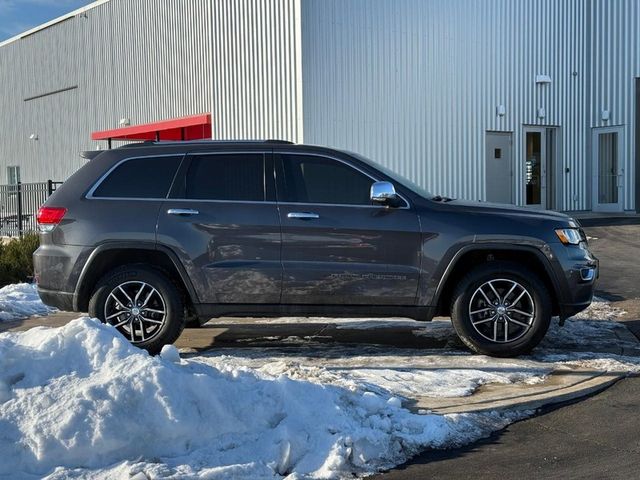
{"x": 222, "y": 221}
{"x": 338, "y": 248}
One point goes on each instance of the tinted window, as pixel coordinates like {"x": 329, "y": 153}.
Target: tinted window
{"x": 311, "y": 179}
{"x": 226, "y": 177}
{"x": 148, "y": 177}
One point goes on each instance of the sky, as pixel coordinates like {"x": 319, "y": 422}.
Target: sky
{"x": 17, "y": 16}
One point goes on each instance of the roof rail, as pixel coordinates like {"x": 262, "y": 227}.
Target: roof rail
{"x": 90, "y": 154}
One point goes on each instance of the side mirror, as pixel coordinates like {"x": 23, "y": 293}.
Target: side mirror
{"x": 384, "y": 193}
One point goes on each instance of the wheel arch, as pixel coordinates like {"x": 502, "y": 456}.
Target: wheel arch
{"x": 109, "y": 256}
{"x": 473, "y": 255}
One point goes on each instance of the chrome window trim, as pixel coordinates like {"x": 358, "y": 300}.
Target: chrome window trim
{"x": 196, "y": 200}
{"x": 352, "y": 205}
{"x": 324, "y": 155}
{"x": 90, "y": 194}
{"x": 151, "y": 199}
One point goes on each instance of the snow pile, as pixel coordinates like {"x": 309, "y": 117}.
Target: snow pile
{"x": 81, "y": 401}
{"x": 20, "y": 301}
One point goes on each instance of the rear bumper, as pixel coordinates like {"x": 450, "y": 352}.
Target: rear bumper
{"x": 60, "y": 300}
{"x": 56, "y": 269}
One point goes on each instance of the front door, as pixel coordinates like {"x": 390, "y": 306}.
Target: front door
{"x": 607, "y": 170}
{"x": 498, "y": 167}
{"x": 338, "y": 248}
{"x": 222, "y": 221}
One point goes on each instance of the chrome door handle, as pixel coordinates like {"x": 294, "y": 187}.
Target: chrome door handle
{"x": 303, "y": 215}
{"x": 183, "y": 212}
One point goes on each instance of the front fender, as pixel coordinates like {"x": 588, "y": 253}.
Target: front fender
{"x": 432, "y": 290}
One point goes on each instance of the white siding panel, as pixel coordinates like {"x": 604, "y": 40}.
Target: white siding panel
{"x": 415, "y": 84}
{"x": 615, "y": 63}
{"x": 257, "y": 70}
{"x": 128, "y": 58}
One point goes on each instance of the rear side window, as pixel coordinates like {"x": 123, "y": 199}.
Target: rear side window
{"x": 312, "y": 179}
{"x": 233, "y": 177}
{"x": 148, "y": 177}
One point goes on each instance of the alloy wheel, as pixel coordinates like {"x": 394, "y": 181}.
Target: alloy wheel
{"x": 501, "y": 310}
{"x": 137, "y": 310}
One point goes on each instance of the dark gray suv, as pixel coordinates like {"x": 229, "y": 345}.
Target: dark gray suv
{"x": 152, "y": 236}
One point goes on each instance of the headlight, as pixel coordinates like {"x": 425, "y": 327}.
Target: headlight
{"x": 569, "y": 236}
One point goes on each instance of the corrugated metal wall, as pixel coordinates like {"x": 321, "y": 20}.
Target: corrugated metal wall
{"x": 415, "y": 84}
{"x": 614, "y": 53}
{"x": 138, "y": 59}
{"x": 257, "y": 70}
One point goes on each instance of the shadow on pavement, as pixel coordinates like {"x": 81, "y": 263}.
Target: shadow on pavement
{"x": 285, "y": 335}
{"x": 610, "y": 297}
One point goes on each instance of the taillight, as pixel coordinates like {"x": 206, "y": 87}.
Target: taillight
{"x": 50, "y": 217}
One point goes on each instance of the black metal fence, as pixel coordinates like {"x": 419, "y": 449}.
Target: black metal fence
{"x": 19, "y": 205}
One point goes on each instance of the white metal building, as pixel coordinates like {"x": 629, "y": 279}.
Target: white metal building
{"x": 533, "y": 102}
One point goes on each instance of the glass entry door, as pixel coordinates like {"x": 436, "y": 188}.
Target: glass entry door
{"x": 539, "y": 167}
{"x": 607, "y": 170}
{"x": 534, "y": 167}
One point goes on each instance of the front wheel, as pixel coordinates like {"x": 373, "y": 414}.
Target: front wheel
{"x": 501, "y": 309}
{"x": 142, "y": 304}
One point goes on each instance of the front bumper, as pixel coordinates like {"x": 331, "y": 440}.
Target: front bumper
{"x": 578, "y": 272}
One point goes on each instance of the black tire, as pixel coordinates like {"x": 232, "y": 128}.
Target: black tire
{"x": 169, "y": 300}
{"x": 502, "y": 274}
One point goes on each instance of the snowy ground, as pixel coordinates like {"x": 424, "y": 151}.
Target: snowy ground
{"x": 80, "y": 402}
{"x": 20, "y": 301}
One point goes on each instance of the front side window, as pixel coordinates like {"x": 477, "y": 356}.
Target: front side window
{"x": 313, "y": 179}
{"x": 148, "y": 177}
{"x": 231, "y": 177}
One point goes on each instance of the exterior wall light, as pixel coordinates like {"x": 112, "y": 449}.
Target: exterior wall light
{"x": 500, "y": 111}
{"x": 125, "y": 122}
{"x": 605, "y": 115}
{"x": 33, "y": 136}
{"x": 541, "y": 112}
{"x": 542, "y": 79}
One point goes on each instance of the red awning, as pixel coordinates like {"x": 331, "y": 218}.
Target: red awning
{"x": 195, "y": 127}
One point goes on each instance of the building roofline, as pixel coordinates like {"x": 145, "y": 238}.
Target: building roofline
{"x": 173, "y": 143}
{"x": 53, "y": 22}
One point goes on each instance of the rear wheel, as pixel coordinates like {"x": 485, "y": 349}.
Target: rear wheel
{"x": 501, "y": 309}
{"x": 142, "y": 304}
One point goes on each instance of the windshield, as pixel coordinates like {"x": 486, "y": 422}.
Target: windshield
{"x": 410, "y": 184}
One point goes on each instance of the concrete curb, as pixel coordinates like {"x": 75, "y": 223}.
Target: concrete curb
{"x": 560, "y": 386}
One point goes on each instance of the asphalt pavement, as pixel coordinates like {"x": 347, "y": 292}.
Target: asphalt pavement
{"x": 595, "y": 438}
